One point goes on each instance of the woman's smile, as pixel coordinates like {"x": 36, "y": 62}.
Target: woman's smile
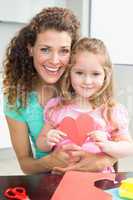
{"x": 53, "y": 71}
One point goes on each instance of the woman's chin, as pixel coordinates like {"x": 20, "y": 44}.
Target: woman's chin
{"x": 51, "y": 78}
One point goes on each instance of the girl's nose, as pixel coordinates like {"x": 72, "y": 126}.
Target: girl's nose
{"x": 87, "y": 80}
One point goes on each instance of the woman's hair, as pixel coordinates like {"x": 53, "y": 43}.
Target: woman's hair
{"x": 105, "y": 96}
{"x": 19, "y": 71}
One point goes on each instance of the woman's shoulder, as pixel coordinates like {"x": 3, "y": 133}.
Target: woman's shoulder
{"x": 13, "y": 111}
{"x": 19, "y": 112}
{"x": 32, "y": 98}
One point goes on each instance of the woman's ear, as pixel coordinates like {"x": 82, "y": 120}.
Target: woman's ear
{"x": 30, "y": 50}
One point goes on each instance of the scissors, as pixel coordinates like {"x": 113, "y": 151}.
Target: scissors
{"x": 18, "y": 193}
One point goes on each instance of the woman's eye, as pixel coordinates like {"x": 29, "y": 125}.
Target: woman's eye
{"x": 79, "y": 73}
{"x": 45, "y": 50}
{"x": 65, "y": 51}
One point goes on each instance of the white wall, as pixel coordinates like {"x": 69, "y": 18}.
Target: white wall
{"x": 7, "y": 30}
{"x": 81, "y": 9}
{"x": 23, "y": 10}
{"x": 124, "y": 89}
{"x": 111, "y": 21}
{"x": 4, "y": 132}
{"x": 14, "y": 10}
{"x": 37, "y": 5}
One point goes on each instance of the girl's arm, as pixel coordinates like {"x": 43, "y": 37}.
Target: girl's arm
{"x": 41, "y": 141}
{"x": 121, "y": 147}
{"x": 49, "y": 137}
{"x": 121, "y": 144}
{"x": 21, "y": 144}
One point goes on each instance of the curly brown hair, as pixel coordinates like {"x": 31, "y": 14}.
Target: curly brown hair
{"x": 19, "y": 71}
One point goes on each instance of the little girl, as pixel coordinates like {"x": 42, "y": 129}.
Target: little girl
{"x": 87, "y": 88}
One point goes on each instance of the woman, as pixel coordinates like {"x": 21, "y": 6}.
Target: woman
{"x": 35, "y": 60}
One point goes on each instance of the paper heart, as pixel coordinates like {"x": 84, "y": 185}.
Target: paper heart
{"x": 77, "y": 129}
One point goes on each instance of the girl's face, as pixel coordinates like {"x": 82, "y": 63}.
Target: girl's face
{"x": 51, "y": 54}
{"x": 87, "y": 74}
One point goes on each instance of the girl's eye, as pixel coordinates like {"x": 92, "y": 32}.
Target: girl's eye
{"x": 96, "y": 74}
{"x": 45, "y": 50}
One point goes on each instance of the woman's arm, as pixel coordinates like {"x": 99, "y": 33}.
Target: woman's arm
{"x": 87, "y": 162}
{"x": 21, "y": 144}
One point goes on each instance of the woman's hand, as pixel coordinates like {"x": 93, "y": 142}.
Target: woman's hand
{"x": 61, "y": 157}
{"x": 87, "y": 162}
{"x": 64, "y": 157}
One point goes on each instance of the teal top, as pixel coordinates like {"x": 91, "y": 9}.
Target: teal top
{"x": 32, "y": 116}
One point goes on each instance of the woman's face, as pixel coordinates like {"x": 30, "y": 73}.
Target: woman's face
{"x": 51, "y": 54}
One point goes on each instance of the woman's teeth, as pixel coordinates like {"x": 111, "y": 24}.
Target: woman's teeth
{"x": 52, "y": 69}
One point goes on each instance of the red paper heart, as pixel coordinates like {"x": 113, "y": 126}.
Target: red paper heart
{"x": 77, "y": 129}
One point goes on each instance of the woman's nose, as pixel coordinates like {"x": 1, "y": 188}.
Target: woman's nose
{"x": 55, "y": 58}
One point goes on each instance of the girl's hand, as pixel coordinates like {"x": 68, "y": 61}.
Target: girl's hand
{"x": 54, "y": 136}
{"x": 98, "y": 136}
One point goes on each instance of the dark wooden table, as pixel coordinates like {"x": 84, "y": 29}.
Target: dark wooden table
{"x": 42, "y": 186}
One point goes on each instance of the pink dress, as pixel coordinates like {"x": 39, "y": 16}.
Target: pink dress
{"x": 119, "y": 112}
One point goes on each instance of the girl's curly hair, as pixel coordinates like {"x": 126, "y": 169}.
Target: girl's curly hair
{"x": 19, "y": 71}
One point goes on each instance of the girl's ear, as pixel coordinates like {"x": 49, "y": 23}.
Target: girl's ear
{"x": 30, "y": 50}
